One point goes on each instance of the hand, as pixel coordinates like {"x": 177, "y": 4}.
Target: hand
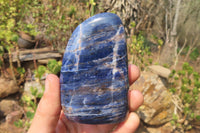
{"x": 49, "y": 117}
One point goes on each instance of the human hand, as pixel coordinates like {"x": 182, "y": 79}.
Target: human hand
{"x": 49, "y": 117}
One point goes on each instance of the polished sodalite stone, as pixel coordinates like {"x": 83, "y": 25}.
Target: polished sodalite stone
{"x": 94, "y": 73}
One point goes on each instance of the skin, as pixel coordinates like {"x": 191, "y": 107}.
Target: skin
{"x": 49, "y": 117}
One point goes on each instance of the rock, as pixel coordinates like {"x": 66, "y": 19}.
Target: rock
{"x": 11, "y": 111}
{"x": 94, "y": 74}
{"x": 160, "y": 70}
{"x": 25, "y": 40}
{"x": 166, "y": 128}
{"x": 9, "y": 105}
{"x": 44, "y": 61}
{"x": 10, "y": 128}
{"x": 14, "y": 116}
{"x": 158, "y": 107}
{"x": 7, "y": 87}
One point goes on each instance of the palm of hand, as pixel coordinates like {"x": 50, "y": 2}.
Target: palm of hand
{"x": 66, "y": 126}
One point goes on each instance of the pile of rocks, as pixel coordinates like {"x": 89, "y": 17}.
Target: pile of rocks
{"x": 159, "y": 105}
{"x": 10, "y": 110}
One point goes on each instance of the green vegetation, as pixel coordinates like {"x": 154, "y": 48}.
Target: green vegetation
{"x": 91, "y": 5}
{"x": 54, "y": 20}
{"x": 30, "y": 105}
{"x": 186, "y": 84}
{"x": 11, "y": 21}
{"x": 194, "y": 54}
{"x": 52, "y": 67}
{"x": 139, "y": 50}
{"x": 30, "y": 102}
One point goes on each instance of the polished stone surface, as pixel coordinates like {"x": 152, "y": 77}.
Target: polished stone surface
{"x": 94, "y": 73}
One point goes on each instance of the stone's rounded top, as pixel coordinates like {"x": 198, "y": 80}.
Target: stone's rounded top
{"x": 103, "y": 17}
{"x": 96, "y": 28}
{"x": 103, "y": 28}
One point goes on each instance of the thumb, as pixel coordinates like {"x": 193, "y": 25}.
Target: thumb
{"x": 48, "y": 111}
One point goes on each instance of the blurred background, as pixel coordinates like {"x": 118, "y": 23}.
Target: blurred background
{"x": 163, "y": 40}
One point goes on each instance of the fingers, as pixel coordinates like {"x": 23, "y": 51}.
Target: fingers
{"x": 129, "y": 125}
{"x": 61, "y": 127}
{"x": 48, "y": 111}
{"x": 135, "y": 99}
{"x": 132, "y": 122}
{"x": 133, "y": 73}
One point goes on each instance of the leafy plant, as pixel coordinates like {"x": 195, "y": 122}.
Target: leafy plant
{"x": 91, "y": 4}
{"x": 194, "y": 54}
{"x": 11, "y": 20}
{"x": 30, "y": 102}
{"x": 72, "y": 11}
{"x": 21, "y": 71}
{"x": 19, "y": 123}
{"x": 40, "y": 71}
{"x": 186, "y": 84}
{"x": 30, "y": 106}
{"x": 54, "y": 66}
{"x": 139, "y": 50}
{"x": 57, "y": 19}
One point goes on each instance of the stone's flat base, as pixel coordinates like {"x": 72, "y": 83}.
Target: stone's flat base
{"x": 98, "y": 118}
{"x": 94, "y": 73}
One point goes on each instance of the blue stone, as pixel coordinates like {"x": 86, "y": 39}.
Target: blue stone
{"x": 94, "y": 73}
